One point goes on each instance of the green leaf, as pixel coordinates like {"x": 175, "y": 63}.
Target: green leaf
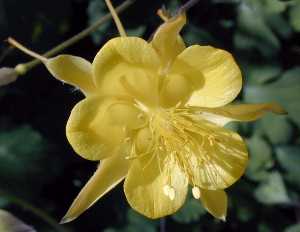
{"x": 277, "y": 128}
{"x": 294, "y": 17}
{"x": 244, "y": 213}
{"x": 97, "y": 9}
{"x": 274, "y": 6}
{"x": 259, "y": 74}
{"x": 260, "y": 159}
{"x": 293, "y": 228}
{"x": 195, "y": 35}
{"x": 272, "y": 190}
{"x": 138, "y": 31}
{"x": 253, "y": 29}
{"x": 285, "y": 91}
{"x": 190, "y": 212}
{"x": 289, "y": 159}
{"x": 21, "y": 154}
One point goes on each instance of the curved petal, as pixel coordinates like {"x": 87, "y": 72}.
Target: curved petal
{"x": 243, "y": 112}
{"x": 215, "y": 202}
{"x": 110, "y": 172}
{"x": 167, "y": 41}
{"x": 215, "y": 77}
{"x": 127, "y": 66}
{"x": 218, "y": 156}
{"x": 98, "y": 126}
{"x": 155, "y": 189}
{"x": 73, "y": 70}
{"x": 176, "y": 89}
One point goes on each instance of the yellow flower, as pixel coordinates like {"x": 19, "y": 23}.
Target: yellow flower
{"x": 154, "y": 115}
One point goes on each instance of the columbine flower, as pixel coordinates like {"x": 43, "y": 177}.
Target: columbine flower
{"x": 154, "y": 115}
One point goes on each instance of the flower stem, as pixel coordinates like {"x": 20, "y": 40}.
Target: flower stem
{"x": 29, "y": 65}
{"x": 185, "y": 7}
{"x": 36, "y": 211}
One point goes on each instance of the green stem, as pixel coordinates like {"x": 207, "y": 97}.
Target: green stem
{"x": 36, "y": 211}
{"x": 76, "y": 38}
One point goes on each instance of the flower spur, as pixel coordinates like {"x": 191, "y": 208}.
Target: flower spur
{"x": 153, "y": 114}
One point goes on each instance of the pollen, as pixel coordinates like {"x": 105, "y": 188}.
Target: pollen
{"x": 196, "y": 192}
{"x": 169, "y": 192}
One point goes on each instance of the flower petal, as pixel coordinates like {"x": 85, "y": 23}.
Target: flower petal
{"x": 218, "y": 156}
{"x": 73, "y": 70}
{"x": 110, "y": 172}
{"x": 167, "y": 41}
{"x": 243, "y": 112}
{"x": 127, "y": 66}
{"x": 98, "y": 126}
{"x": 155, "y": 193}
{"x": 214, "y": 76}
{"x": 215, "y": 202}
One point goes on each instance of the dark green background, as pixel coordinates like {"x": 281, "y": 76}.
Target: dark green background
{"x": 38, "y": 166}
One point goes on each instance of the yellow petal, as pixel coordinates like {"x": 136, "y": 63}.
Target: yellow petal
{"x": 243, "y": 112}
{"x": 110, "y": 172}
{"x": 213, "y": 74}
{"x": 175, "y": 89}
{"x": 97, "y": 126}
{"x": 167, "y": 41}
{"x": 218, "y": 158}
{"x": 215, "y": 202}
{"x": 73, "y": 70}
{"x": 155, "y": 193}
{"x": 127, "y": 66}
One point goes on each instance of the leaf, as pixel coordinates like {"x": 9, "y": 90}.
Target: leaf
{"x": 293, "y": 228}
{"x": 274, "y": 6}
{"x": 260, "y": 159}
{"x": 140, "y": 223}
{"x": 294, "y": 17}
{"x": 272, "y": 190}
{"x": 253, "y": 30}
{"x": 195, "y": 35}
{"x": 261, "y": 73}
{"x": 285, "y": 91}
{"x": 9, "y": 223}
{"x": 289, "y": 159}
{"x": 190, "y": 212}
{"x": 138, "y": 31}
{"x": 277, "y": 128}
{"x": 97, "y": 9}
{"x": 21, "y": 154}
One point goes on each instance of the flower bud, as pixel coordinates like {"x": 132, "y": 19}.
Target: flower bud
{"x": 7, "y": 76}
{"x": 10, "y": 223}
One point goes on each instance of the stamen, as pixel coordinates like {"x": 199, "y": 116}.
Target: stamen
{"x": 196, "y": 192}
{"x": 169, "y": 192}
{"x": 116, "y": 18}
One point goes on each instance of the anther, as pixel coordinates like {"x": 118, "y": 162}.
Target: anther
{"x": 169, "y": 192}
{"x": 196, "y": 192}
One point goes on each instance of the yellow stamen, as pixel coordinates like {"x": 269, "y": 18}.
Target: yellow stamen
{"x": 169, "y": 192}
{"x": 27, "y": 51}
{"x": 196, "y": 192}
{"x": 116, "y": 18}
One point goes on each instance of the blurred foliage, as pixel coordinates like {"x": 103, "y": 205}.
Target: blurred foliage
{"x": 39, "y": 169}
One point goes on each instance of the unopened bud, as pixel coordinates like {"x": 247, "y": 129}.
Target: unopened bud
{"x": 10, "y": 223}
{"x": 7, "y": 76}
